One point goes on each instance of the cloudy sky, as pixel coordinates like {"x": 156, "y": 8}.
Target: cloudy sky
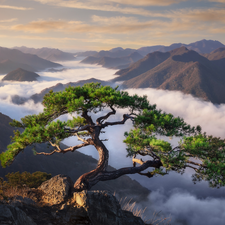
{"x": 105, "y": 24}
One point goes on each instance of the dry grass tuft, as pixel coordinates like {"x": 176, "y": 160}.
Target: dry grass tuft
{"x": 26, "y": 192}
{"x": 156, "y": 219}
{"x": 159, "y": 220}
{"x": 10, "y": 192}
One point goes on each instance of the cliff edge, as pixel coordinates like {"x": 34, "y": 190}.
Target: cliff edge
{"x": 54, "y": 202}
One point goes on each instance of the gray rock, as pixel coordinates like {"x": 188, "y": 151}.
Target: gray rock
{"x": 14, "y": 215}
{"x": 57, "y": 189}
{"x": 59, "y": 207}
{"x": 19, "y": 201}
{"x": 103, "y": 208}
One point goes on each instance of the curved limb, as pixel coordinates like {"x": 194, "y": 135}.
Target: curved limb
{"x": 59, "y": 150}
{"x": 102, "y": 118}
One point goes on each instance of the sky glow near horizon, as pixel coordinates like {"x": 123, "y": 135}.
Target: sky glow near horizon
{"x": 174, "y": 194}
{"x": 76, "y": 25}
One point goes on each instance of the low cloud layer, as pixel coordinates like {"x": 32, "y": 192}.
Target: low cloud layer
{"x": 173, "y": 194}
{"x": 194, "y": 111}
{"x": 185, "y": 208}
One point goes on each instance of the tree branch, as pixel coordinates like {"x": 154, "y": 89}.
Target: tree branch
{"x": 109, "y": 175}
{"x": 148, "y": 174}
{"x": 88, "y": 118}
{"x": 194, "y": 163}
{"x": 83, "y": 128}
{"x": 70, "y": 149}
{"x": 125, "y": 118}
{"x": 81, "y": 139}
{"x": 101, "y": 119}
{"x": 192, "y": 167}
{"x": 139, "y": 161}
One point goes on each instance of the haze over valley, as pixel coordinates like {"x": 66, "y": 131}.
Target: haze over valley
{"x": 19, "y": 98}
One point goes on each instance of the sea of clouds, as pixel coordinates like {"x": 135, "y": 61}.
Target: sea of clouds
{"x": 174, "y": 195}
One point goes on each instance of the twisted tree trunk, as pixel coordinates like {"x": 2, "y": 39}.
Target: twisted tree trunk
{"x": 88, "y": 180}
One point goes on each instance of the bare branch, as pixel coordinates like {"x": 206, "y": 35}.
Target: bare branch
{"x": 101, "y": 119}
{"x": 83, "y": 128}
{"x": 70, "y": 149}
{"x": 109, "y": 175}
{"x": 139, "y": 161}
{"x": 125, "y": 118}
{"x": 81, "y": 139}
{"x": 194, "y": 163}
{"x": 192, "y": 167}
{"x": 55, "y": 145}
{"x": 104, "y": 139}
{"x": 149, "y": 152}
{"x": 45, "y": 153}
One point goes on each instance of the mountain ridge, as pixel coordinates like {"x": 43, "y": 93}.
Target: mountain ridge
{"x": 20, "y": 75}
{"x": 51, "y": 54}
{"x": 34, "y": 62}
{"x": 181, "y": 70}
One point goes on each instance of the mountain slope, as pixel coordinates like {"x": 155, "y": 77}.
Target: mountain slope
{"x": 50, "y": 54}
{"x": 8, "y": 65}
{"x": 32, "y": 61}
{"x": 202, "y": 46}
{"x": 141, "y": 66}
{"x": 217, "y": 54}
{"x": 184, "y": 70}
{"x": 21, "y": 75}
{"x": 113, "y": 62}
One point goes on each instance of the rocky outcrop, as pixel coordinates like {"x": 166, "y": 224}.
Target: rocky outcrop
{"x": 13, "y": 215}
{"x": 57, "y": 189}
{"x": 59, "y": 205}
{"x": 103, "y": 208}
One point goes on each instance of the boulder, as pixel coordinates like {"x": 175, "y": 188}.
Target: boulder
{"x": 57, "y": 189}
{"x": 57, "y": 205}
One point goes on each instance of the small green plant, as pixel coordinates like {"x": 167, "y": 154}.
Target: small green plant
{"x": 27, "y": 179}
{"x": 2, "y": 188}
{"x": 20, "y": 184}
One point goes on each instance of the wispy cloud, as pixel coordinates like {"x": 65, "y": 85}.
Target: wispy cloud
{"x": 186, "y": 22}
{"x": 14, "y": 7}
{"x": 221, "y": 1}
{"x": 98, "y": 5}
{"x": 200, "y": 15}
{"x": 76, "y": 3}
{"x": 104, "y": 25}
{"x": 9, "y": 20}
{"x": 147, "y": 2}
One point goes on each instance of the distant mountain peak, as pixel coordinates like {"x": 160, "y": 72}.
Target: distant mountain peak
{"x": 116, "y": 49}
{"x": 178, "y": 51}
{"x": 21, "y": 75}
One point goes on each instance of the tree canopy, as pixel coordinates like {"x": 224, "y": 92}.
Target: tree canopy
{"x": 203, "y": 153}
